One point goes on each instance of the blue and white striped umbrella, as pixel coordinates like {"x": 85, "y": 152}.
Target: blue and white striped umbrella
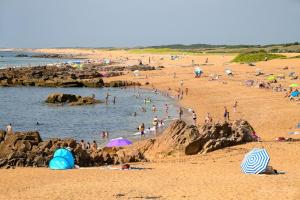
{"x": 256, "y": 161}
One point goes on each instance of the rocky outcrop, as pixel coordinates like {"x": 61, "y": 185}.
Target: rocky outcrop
{"x": 119, "y": 83}
{"x": 27, "y": 149}
{"x": 50, "y": 76}
{"x": 70, "y": 99}
{"x": 183, "y": 139}
{"x": 62, "y": 76}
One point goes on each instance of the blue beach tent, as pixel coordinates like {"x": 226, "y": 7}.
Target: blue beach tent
{"x": 62, "y": 159}
{"x": 295, "y": 94}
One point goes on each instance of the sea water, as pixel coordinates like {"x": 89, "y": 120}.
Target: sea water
{"x": 23, "y": 107}
{"x": 9, "y": 59}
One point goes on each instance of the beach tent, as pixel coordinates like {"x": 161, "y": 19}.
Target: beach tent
{"x": 294, "y": 85}
{"x": 271, "y": 78}
{"x": 228, "y": 72}
{"x": 295, "y": 94}
{"x": 256, "y": 161}
{"x": 118, "y": 142}
{"x": 62, "y": 159}
{"x": 136, "y": 72}
{"x": 198, "y": 71}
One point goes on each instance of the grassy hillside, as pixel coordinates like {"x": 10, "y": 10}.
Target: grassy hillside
{"x": 256, "y": 56}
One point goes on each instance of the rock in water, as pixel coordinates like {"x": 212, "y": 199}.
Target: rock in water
{"x": 71, "y": 99}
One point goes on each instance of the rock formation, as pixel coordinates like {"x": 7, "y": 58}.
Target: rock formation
{"x": 71, "y": 99}
{"x": 27, "y": 149}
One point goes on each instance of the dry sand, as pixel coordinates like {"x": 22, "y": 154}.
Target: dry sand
{"x": 212, "y": 176}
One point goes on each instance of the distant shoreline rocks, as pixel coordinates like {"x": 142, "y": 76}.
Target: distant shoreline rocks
{"x": 60, "y": 76}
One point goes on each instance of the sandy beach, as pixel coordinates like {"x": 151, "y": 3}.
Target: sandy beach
{"x": 215, "y": 175}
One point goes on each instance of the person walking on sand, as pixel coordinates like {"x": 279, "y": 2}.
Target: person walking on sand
{"x": 186, "y": 91}
{"x": 194, "y": 117}
{"x": 181, "y": 83}
{"x": 235, "y": 106}
{"x": 9, "y": 128}
{"x": 226, "y": 114}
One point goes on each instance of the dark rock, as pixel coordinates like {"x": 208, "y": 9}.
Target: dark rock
{"x": 71, "y": 99}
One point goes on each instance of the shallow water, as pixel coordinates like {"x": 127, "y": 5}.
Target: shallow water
{"x": 24, "y": 106}
{"x": 9, "y": 59}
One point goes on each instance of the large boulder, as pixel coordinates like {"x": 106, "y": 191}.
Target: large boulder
{"x": 71, "y": 99}
{"x": 183, "y": 139}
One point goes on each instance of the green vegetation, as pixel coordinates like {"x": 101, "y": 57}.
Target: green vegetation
{"x": 164, "y": 51}
{"x": 217, "y": 49}
{"x": 256, "y": 56}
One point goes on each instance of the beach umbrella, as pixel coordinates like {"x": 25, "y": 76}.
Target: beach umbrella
{"x": 256, "y": 161}
{"x": 294, "y": 85}
{"x": 118, "y": 142}
{"x": 271, "y": 78}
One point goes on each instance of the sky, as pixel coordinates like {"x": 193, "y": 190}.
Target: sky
{"x": 130, "y": 23}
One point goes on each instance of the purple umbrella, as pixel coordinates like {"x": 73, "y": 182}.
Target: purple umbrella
{"x": 118, "y": 142}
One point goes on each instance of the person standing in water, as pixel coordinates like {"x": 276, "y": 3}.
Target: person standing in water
{"x": 155, "y": 123}
{"x": 106, "y": 98}
{"x": 180, "y": 112}
{"x": 114, "y": 101}
{"x": 167, "y": 109}
{"x": 153, "y": 108}
{"x": 142, "y": 129}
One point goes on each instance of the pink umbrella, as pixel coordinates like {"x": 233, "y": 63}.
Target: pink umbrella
{"x": 118, "y": 142}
